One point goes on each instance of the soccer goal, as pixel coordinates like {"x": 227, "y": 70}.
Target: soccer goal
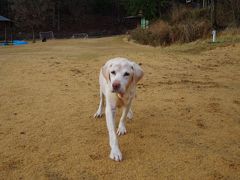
{"x": 80, "y": 36}
{"x": 46, "y": 35}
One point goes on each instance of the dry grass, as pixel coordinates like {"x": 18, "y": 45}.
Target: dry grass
{"x": 161, "y": 33}
{"x": 185, "y": 25}
{"x": 186, "y": 123}
{"x": 231, "y": 32}
{"x": 182, "y": 14}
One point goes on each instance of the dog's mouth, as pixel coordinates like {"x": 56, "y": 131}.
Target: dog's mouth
{"x": 117, "y": 91}
{"x": 120, "y": 95}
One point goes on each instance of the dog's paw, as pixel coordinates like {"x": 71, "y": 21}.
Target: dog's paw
{"x": 116, "y": 154}
{"x": 98, "y": 114}
{"x": 121, "y": 130}
{"x": 130, "y": 114}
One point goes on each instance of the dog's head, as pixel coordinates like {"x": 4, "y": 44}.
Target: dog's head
{"x": 121, "y": 73}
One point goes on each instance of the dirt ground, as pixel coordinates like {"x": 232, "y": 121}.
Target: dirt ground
{"x": 186, "y": 115}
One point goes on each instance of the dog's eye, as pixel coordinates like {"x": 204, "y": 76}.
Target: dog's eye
{"x": 126, "y": 74}
{"x": 113, "y": 72}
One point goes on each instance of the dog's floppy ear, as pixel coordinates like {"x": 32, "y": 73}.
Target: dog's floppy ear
{"x": 105, "y": 71}
{"x": 138, "y": 72}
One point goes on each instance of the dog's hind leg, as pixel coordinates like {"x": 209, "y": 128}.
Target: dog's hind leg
{"x": 99, "y": 112}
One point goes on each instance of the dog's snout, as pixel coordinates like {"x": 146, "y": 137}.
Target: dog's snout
{"x": 116, "y": 85}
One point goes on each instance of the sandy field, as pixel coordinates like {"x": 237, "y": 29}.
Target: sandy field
{"x": 186, "y": 115}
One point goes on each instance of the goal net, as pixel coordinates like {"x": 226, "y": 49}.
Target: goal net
{"x": 46, "y": 35}
{"x": 80, "y": 36}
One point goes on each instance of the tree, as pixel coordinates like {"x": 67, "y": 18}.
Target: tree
{"x": 4, "y": 7}
{"x": 150, "y": 8}
{"x": 213, "y": 13}
{"x": 235, "y": 8}
{"x": 31, "y": 14}
{"x": 147, "y": 8}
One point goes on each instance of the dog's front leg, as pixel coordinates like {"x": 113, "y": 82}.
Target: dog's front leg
{"x": 121, "y": 127}
{"x": 110, "y": 118}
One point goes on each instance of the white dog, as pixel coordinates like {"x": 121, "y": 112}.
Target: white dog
{"x": 118, "y": 79}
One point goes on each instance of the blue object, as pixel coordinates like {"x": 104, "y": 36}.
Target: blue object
{"x": 14, "y": 42}
{"x": 18, "y": 42}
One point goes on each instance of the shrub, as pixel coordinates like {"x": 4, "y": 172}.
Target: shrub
{"x": 157, "y": 34}
{"x": 231, "y": 31}
{"x": 179, "y": 14}
{"x": 190, "y": 31}
{"x": 189, "y": 24}
{"x": 186, "y": 26}
{"x": 183, "y": 14}
{"x": 203, "y": 29}
{"x": 160, "y": 32}
{"x": 186, "y": 32}
{"x": 141, "y": 36}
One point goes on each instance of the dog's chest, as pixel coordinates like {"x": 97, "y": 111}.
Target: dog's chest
{"x": 121, "y": 101}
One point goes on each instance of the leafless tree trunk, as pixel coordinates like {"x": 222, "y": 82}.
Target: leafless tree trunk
{"x": 54, "y": 16}
{"x": 204, "y": 4}
{"x": 213, "y": 13}
{"x": 235, "y": 6}
{"x": 58, "y": 16}
{"x": 33, "y": 35}
{"x": 5, "y": 32}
